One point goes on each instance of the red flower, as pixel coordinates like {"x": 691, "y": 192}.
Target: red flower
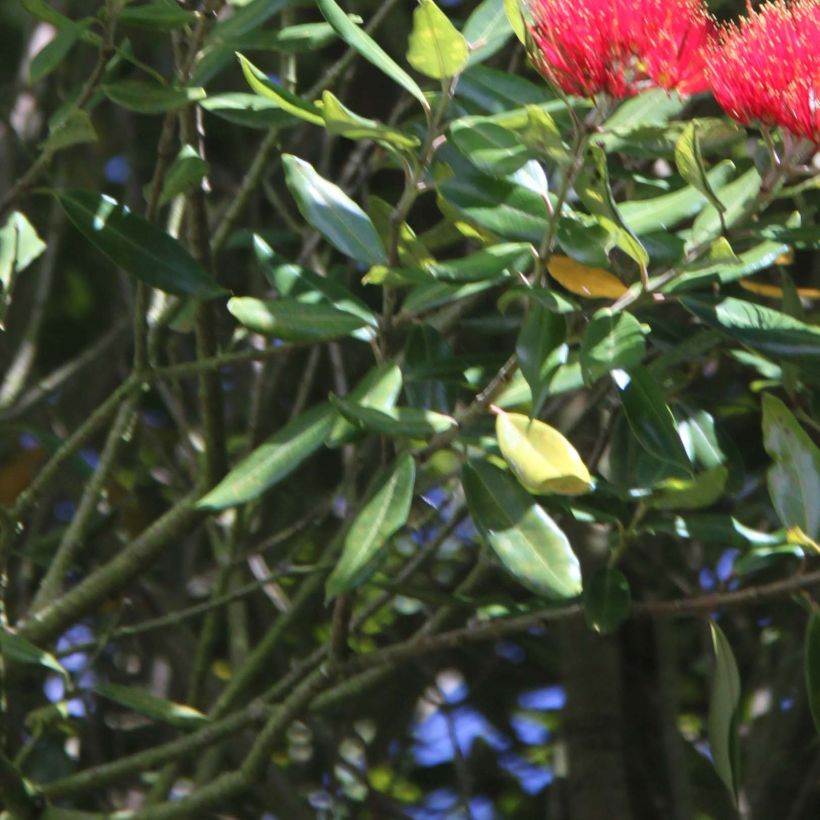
{"x": 767, "y": 68}
{"x": 620, "y": 47}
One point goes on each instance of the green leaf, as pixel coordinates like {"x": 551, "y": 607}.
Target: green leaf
{"x": 540, "y": 456}
{"x": 19, "y": 650}
{"x": 293, "y": 320}
{"x": 139, "y": 247}
{"x": 383, "y": 514}
{"x": 410, "y": 422}
{"x": 736, "y": 197}
{"x": 379, "y": 389}
{"x": 812, "y": 654}
{"x": 273, "y": 460}
{"x": 541, "y": 334}
{"x": 650, "y": 418}
{"x": 436, "y": 48}
{"x": 358, "y": 39}
{"x": 690, "y": 165}
{"x": 526, "y": 540}
{"x": 248, "y": 110}
{"x": 770, "y": 331}
{"x": 794, "y": 479}
{"x": 723, "y": 712}
{"x": 20, "y": 245}
{"x": 702, "y": 490}
{"x": 607, "y": 599}
{"x": 74, "y": 129}
{"x": 144, "y": 703}
{"x": 668, "y": 210}
{"x": 150, "y": 98}
{"x": 611, "y": 340}
{"x": 512, "y": 9}
{"x": 333, "y": 213}
{"x": 184, "y": 174}
{"x": 654, "y": 107}
{"x": 48, "y": 58}
{"x": 594, "y": 190}
{"x": 489, "y": 146}
{"x": 161, "y": 15}
{"x": 286, "y": 100}
{"x": 487, "y": 30}
{"x": 549, "y": 299}
{"x": 700, "y": 438}
{"x": 341, "y": 120}
{"x": 506, "y": 258}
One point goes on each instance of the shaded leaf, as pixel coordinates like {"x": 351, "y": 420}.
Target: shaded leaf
{"x": 49, "y": 57}
{"x": 161, "y": 15}
{"x": 702, "y": 490}
{"x": 137, "y": 246}
{"x": 723, "y": 711}
{"x": 812, "y": 662}
{"x": 542, "y": 332}
{"x": 690, "y": 165}
{"x": 150, "y": 98}
{"x": 383, "y": 514}
{"x": 611, "y": 340}
{"x": 526, "y": 540}
{"x": 607, "y": 599}
{"x": 19, "y": 650}
{"x": 184, "y": 173}
{"x": 144, "y": 703}
{"x": 75, "y": 129}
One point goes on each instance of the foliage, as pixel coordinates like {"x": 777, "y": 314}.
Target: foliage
{"x": 389, "y": 434}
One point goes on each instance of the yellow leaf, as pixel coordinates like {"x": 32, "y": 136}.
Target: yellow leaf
{"x": 594, "y": 283}
{"x": 775, "y": 291}
{"x": 541, "y": 458}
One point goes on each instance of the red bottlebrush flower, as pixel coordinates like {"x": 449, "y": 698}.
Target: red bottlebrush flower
{"x": 767, "y": 67}
{"x": 620, "y": 47}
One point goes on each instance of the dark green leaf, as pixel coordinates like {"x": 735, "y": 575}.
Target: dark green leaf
{"x": 74, "y": 129}
{"x": 813, "y": 666}
{"x": 150, "y": 98}
{"x": 48, "y": 58}
{"x": 607, "y": 599}
{"x": 185, "y": 172}
{"x": 611, "y": 340}
{"x": 383, "y": 514}
{"x": 273, "y": 460}
{"x": 723, "y": 712}
{"x": 542, "y": 332}
{"x": 144, "y": 703}
{"x": 410, "y": 422}
{"x": 137, "y": 246}
{"x": 526, "y": 540}
{"x": 19, "y": 650}
{"x": 330, "y": 210}
{"x": 162, "y": 15}
{"x": 701, "y": 490}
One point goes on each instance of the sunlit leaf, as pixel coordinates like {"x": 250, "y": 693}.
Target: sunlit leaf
{"x": 435, "y": 48}
{"x": 593, "y": 283}
{"x": 542, "y": 459}
{"x": 702, "y": 490}
{"x": 285, "y": 99}
{"x": 341, "y": 120}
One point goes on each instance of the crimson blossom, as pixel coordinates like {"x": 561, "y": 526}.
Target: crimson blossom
{"x": 767, "y": 67}
{"x": 620, "y": 47}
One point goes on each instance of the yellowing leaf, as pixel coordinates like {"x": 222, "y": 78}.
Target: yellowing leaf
{"x": 594, "y": 283}
{"x": 541, "y": 458}
{"x": 775, "y": 291}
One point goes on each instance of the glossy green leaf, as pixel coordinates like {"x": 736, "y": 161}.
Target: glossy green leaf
{"x": 293, "y": 320}
{"x": 765, "y": 329}
{"x": 650, "y": 418}
{"x": 161, "y": 15}
{"x": 723, "y": 712}
{"x": 488, "y": 263}
{"x": 49, "y": 57}
{"x": 273, "y": 460}
{"x": 341, "y": 120}
{"x": 435, "y": 48}
{"x": 184, "y": 174}
{"x": 540, "y": 456}
{"x": 150, "y": 98}
{"x": 812, "y": 664}
{"x": 487, "y": 30}
{"x": 794, "y": 479}
{"x": 333, "y": 213}
{"x": 362, "y": 42}
{"x": 592, "y": 185}
{"x": 526, "y": 540}
{"x": 700, "y": 439}
{"x": 537, "y": 345}
{"x": 736, "y": 197}
{"x": 690, "y": 165}
{"x": 489, "y": 146}
{"x": 286, "y": 100}
{"x": 19, "y": 650}
{"x": 379, "y": 390}
{"x": 607, "y": 599}
{"x": 612, "y": 340}
{"x": 383, "y": 514}
{"x": 410, "y": 422}
{"x": 144, "y": 703}
{"x": 248, "y": 110}
{"x": 702, "y": 490}
{"x": 74, "y": 129}
{"x": 139, "y": 247}
{"x": 668, "y": 210}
